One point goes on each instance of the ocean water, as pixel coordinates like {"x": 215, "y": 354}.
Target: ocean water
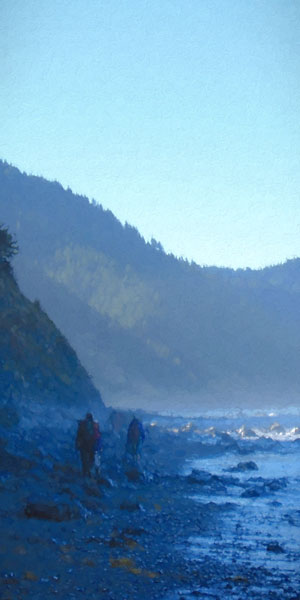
{"x": 259, "y": 512}
{"x": 256, "y": 522}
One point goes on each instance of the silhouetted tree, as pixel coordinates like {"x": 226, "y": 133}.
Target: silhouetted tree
{"x": 8, "y": 246}
{"x": 156, "y": 245}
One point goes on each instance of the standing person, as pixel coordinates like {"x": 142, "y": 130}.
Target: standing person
{"x": 85, "y": 443}
{"x": 98, "y": 447}
{"x": 135, "y": 438}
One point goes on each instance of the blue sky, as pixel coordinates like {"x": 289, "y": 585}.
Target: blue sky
{"x": 180, "y": 116}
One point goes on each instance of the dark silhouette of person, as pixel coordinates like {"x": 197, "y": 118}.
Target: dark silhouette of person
{"x": 85, "y": 443}
{"x": 98, "y": 447}
{"x": 135, "y": 438}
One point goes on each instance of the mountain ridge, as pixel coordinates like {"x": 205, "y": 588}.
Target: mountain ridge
{"x": 142, "y": 321}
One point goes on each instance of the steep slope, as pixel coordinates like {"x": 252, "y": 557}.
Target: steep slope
{"x": 36, "y": 361}
{"x": 143, "y": 321}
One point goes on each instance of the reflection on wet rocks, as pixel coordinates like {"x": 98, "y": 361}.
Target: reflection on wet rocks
{"x": 246, "y": 537}
{"x": 185, "y": 523}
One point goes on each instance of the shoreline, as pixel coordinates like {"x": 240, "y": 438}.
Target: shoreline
{"x": 114, "y": 538}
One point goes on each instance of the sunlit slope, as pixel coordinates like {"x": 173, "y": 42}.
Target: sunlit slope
{"x": 36, "y": 361}
{"x": 140, "y": 319}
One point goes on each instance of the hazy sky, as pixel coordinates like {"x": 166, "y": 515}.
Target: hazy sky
{"x": 180, "y": 116}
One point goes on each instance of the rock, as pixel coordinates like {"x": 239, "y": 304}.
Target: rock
{"x": 73, "y": 490}
{"x": 30, "y": 576}
{"x": 8, "y": 416}
{"x": 214, "y": 507}
{"x": 88, "y": 562}
{"x": 275, "y": 547}
{"x": 293, "y": 518}
{"x": 14, "y": 464}
{"x": 91, "y": 489}
{"x": 240, "y": 579}
{"x": 197, "y": 476}
{"x": 244, "y": 466}
{"x": 9, "y": 578}
{"x": 51, "y": 511}
{"x": 230, "y": 480}
{"x": 91, "y": 505}
{"x": 134, "y": 475}
{"x": 252, "y": 493}
{"x": 276, "y": 484}
{"x": 130, "y": 506}
{"x": 204, "y": 478}
{"x": 272, "y": 485}
{"x": 106, "y": 482}
{"x": 134, "y": 531}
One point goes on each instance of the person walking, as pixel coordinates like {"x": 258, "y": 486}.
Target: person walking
{"x": 135, "y": 438}
{"x": 98, "y": 447}
{"x": 85, "y": 443}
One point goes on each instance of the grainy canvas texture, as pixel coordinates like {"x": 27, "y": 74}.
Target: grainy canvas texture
{"x": 149, "y": 300}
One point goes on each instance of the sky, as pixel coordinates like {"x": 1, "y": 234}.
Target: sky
{"x": 180, "y": 116}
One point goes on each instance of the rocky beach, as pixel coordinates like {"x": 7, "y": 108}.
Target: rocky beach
{"x": 178, "y": 525}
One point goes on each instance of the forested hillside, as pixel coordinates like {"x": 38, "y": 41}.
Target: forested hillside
{"x": 37, "y": 363}
{"x": 146, "y": 323}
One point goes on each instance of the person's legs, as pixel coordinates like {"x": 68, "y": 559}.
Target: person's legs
{"x": 85, "y": 460}
{"x": 90, "y": 461}
{"x": 97, "y": 462}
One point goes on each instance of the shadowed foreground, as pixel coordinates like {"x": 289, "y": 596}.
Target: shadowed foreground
{"x": 123, "y": 535}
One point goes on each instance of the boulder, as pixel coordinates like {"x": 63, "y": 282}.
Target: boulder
{"x": 198, "y": 476}
{"x": 253, "y": 492}
{"x": 275, "y": 547}
{"x": 276, "y": 484}
{"x": 51, "y": 512}
{"x": 244, "y": 466}
{"x": 134, "y": 475}
{"x": 130, "y": 506}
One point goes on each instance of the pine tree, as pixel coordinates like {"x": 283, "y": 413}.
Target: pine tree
{"x": 8, "y": 246}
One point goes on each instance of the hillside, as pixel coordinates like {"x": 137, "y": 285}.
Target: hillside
{"x": 37, "y": 363}
{"x": 144, "y": 323}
